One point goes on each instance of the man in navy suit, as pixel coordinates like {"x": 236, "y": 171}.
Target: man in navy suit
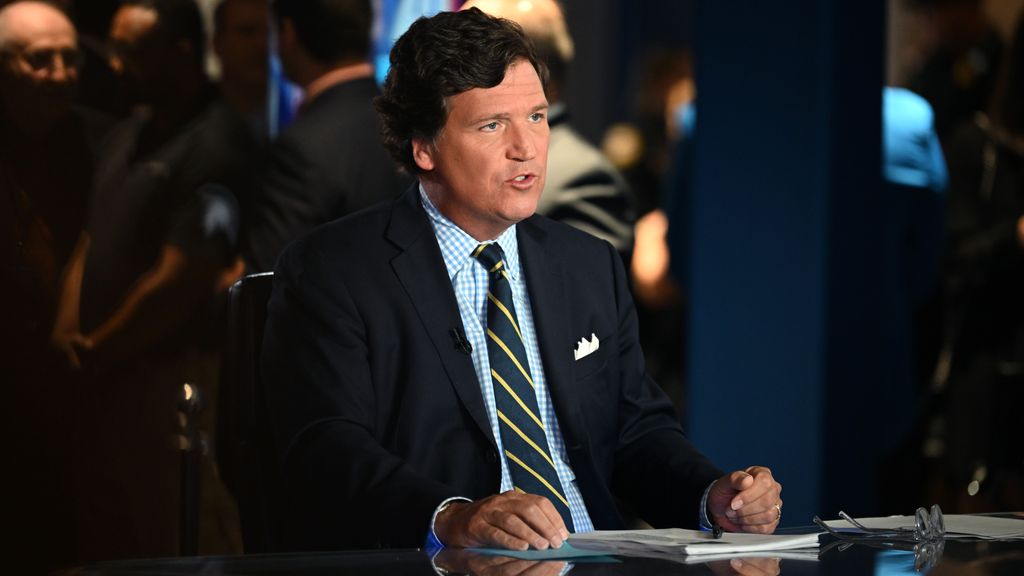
{"x": 394, "y": 345}
{"x": 329, "y": 162}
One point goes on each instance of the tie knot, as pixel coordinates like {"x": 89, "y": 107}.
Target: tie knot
{"x": 490, "y": 255}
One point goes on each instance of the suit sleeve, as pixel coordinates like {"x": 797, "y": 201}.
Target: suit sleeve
{"x": 656, "y": 469}
{"x": 342, "y": 487}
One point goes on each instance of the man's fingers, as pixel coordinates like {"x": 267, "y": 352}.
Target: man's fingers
{"x": 70, "y": 354}
{"x": 72, "y": 357}
{"x": 523, "y": 529}
{"x": 759, "y": 485}
{"x": 484, "y": 533}
{"x": 761, "y": 516}
{"x": 557, "y": 532}
{"x": 82, "y": 341}
{"x": 546, "y": 521}
{"x": 761, "y": 520}
{"x": 510, "y": 520}
{"x": 554, "y": 520}
{"x": 762, "y": 491}
{"x": 754, "y": 505}
{"x": 740, "y": 480}
{"x": 757, "y": 506}
{"x": 500, "y": 537}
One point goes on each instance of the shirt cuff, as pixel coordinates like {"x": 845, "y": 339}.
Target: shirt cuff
{"x": 703, "y": 520}
{"x": 433, "y": 542}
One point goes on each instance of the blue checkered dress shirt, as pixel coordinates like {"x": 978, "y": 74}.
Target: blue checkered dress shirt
{"x": 470, "y": 281}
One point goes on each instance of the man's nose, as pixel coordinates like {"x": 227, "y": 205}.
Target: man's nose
{"x": 60, "y": 70}
{"x": 521, "y": 144}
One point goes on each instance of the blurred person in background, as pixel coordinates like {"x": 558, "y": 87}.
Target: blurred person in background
{"x": 98, "y": 86}
{"x": 641, "y": 151}
{"x": 47, "y": 155}
{"x": 135, "y": 310}
{"x": 958, "y": 76}
{"x": 980, "y": 384}
{"x": 240, "y": 30}
{"x": 330, "y": 161}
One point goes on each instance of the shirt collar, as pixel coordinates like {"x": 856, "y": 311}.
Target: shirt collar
{"x": 333, "y": 78}
{"x": 457, "y": 245}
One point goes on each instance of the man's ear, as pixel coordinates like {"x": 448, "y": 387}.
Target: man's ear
{"x": 423, "y": 154}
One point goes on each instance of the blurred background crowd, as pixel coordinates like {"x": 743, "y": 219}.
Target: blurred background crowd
{"x": 154, "y": 151}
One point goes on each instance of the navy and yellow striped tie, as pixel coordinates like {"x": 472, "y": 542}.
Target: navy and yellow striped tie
{"x": 522, "y": 432}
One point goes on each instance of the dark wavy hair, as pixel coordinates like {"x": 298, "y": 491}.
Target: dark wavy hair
{"x": 437, "y": 58}
{"x": 330, "y": 30}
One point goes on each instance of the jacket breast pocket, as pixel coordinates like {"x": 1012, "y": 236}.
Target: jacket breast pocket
{"x": 591, "y": 364}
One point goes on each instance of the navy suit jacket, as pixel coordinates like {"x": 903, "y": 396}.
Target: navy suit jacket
{"x": 378, "y": 415}
{"x": 330, "y": 162}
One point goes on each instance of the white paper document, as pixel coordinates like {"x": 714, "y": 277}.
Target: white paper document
{"x": 957, "y": 525}
{"x": 687, "y": 542}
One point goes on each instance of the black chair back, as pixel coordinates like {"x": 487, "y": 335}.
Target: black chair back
{"x": 245, "y": 454}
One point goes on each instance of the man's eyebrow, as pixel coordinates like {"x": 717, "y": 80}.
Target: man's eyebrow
{"x": 495, "y": 116}
{"x": 506, "y": 115}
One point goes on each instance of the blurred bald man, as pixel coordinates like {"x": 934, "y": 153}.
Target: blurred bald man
{"x": 39, "y": 48}
{"x": 583, "y": 189}
{"x": 46, "y": 167}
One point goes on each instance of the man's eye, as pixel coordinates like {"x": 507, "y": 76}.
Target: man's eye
{"x": 39, "y": 60}
{"x": 537, "y": 117}
{"x": 491, "y": 127}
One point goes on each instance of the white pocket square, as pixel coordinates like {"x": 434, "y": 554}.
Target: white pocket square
{"x": 585, "y": 347}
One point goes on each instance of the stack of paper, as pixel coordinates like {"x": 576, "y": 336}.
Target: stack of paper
{"x": 957, "y": 526}
{"x": 678, "y": 541}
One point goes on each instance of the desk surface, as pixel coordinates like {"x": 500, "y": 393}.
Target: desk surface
{"x": 973, "y": 558}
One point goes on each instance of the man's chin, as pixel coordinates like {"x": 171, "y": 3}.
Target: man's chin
{"x": 518, "y": 216}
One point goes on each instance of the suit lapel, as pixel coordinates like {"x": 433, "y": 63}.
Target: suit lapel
{"x": 547, "y": 284}
{"x": 421, "y": 271}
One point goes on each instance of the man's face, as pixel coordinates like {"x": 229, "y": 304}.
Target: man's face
{"x": 137, "y": 56}
{"x": 486, "y": 169}
{"x": 241, "y": 44}
{"x": 40, "y": 60}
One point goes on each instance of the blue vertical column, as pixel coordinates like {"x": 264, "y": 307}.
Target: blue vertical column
{"x": 786, "y": 179}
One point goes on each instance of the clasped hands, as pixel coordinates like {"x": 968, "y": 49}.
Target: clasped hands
{"x": 746, "y": 500}
{"x": 743, "y": 501}
{"x": 71, "y": 344}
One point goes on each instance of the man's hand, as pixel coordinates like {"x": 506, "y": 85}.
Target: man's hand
{"x": 68, "y": 343}
{"x": 511, "y": 520}
{"x": 746, "y": 501}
